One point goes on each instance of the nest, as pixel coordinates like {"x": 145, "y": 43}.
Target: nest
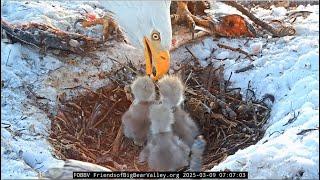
{"x": 88, "y": 127}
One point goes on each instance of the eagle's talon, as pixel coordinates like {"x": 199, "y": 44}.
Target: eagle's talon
{"x": 189, "y": 16}
{"x": 193, "y": 30}
{"x": 110, "y": 27}
{"x": 77, "y": 21}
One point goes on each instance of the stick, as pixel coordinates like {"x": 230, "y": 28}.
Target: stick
{"x": 195, "y": 57}
{"x": 117, "y": 141}
{"x": 111, "y": 108}
{"x": 124, "y": 65}
{"x": 222, "y": 104}
{"x": 8, "y": 58}
{"x": 244, "y": 69}
{"x": 235, "y": 49}
{"x": 41, "y": 35}
{"x": 222, "y": 119}
{"x": 307, "y": 130}
{"x": 221, "y": 84}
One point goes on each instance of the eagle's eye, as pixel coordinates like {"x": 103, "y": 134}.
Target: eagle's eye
{"x": 155, "y": 36}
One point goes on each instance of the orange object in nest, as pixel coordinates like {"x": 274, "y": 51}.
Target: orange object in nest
{"x": 234, "y": 26}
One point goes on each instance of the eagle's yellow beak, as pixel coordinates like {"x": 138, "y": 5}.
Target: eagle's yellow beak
{"x": 157, "y": 60}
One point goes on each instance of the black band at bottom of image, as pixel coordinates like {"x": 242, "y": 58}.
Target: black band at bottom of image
{"x": 163, "y": 175}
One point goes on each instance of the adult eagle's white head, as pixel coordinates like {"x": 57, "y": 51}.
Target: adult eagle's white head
{"x": 147, "y": 24}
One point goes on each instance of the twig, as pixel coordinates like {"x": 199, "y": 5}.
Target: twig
{"x": 90, "y": 90}
{"x": 210, "y": 78}
{"x": 186, "y": 41}
{"x": 124, "y": 65}
{"x": 8, "y": 57}
{"x": 222, "y": 119}
{"x": 184, "y": 64}
{"x": 228, "y": 81}
{"x": 235, "y": 49}
{"x": 92, "y": 156}
{"x": 188, "y": 77}
{"x": 267, "y": 115}
{"x": 94, "y": 113}
{"x": 194, "y": 56}
{"x": 117, "y": 141}
{"x": 73, "y": 87}
{"x": 64, "y": 124}
{"x": 222, "y": 104}
{"x": 234, "y": 147}
{"x": 307, "y": 130}
{"x": 221, "y": 84}
{"x": 7, "y": 125}
{"x": 77, "y": 107}
{"x": 295, "y": 14}
{"x": 64, "y": 116}
{"x": 291, "y": 120}
{"x": 244, "y": 69}
{"x": 34, "y": 94}
{"x": 99, "y": 141}
{"x": 107, "y": 113}
{"x": 280, "y": 132}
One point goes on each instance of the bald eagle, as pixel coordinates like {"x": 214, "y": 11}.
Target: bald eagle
{"x": 147, "y": 25}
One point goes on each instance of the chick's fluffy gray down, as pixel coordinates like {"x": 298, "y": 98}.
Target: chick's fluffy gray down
{"x": 184, "y": 127}
{"x": 171, "y": 90}
{"x": 136, "y": 122}
{"x": 167, "y": 152}
{"x": 143, "y": 89}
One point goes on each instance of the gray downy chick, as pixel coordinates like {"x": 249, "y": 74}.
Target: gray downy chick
{"x": 136, "y": 121}
{"x": 172, "y": 95}
{"x": 197, "y": 153}
{"x": 164, "y": 150}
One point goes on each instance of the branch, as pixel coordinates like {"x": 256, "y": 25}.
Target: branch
{"x": 44, "y": 36}
{"x": 235, "y": 49}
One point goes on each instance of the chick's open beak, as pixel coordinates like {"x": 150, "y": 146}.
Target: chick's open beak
{"x": 157, "y": 60}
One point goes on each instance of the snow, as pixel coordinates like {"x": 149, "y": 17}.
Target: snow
{"x": 278, "y": 11}
{"x": 286, "y": 67}
{"x": 255, "y": 48}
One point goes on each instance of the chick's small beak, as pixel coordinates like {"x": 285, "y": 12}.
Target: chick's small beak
{"x": 156, "y": 59}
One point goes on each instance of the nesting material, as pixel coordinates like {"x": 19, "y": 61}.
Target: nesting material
{"x": 86, "y": 126}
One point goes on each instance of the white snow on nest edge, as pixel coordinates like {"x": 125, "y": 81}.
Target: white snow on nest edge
{"x": 287, "y": 68}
